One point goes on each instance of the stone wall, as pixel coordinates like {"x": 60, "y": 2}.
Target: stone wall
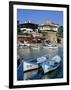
{"x": 52, "y": 37}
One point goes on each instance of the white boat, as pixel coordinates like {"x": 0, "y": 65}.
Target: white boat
{"x": 23, "y": 44}
{"x": 26, "y": 44}
{"x": 52, "y": 64}
{"x": 42, "y": 59}
{"x": 24, "y": 67}
{"x": 45, "y": 47}
{"x": 30, "y": 65}
{"x": 35, "y": 47}
{"x": 50, "y": 46}
{"x": 33, "y": 64}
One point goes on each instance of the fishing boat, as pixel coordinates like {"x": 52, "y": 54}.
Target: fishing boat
{"x": 50, "y": 46}
{"x": 52, "y": 64}
{"x": 42, "y": 59}
{"x": 30, "y": 65}
{"x": 35, "y": 47}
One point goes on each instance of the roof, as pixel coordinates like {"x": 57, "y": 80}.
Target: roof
{"x": 49, "y": 23}
{"x": 28, "y": 25}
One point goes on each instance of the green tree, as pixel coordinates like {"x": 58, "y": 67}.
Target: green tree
{"x": 60, "y": 31}
{"x": 18, "y": 31}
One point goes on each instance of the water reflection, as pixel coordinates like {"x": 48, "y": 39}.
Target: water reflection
{"x": 31, "y": 53}
{"x": 38, "y": 74}
{"x": 29, "y": 74}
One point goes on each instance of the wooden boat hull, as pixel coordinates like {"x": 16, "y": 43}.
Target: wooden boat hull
{"x": 52, "y": 64}
{"x": 46, "y": 70}
{"x": 27, "y": 66}
{"x": 49, "y": 47}
{"x": 35, "y": 47}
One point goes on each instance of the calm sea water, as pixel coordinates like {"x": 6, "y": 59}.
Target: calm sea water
{"x": 38, "y": 74}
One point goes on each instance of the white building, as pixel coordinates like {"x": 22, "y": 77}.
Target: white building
{"x": 47, "y": 26}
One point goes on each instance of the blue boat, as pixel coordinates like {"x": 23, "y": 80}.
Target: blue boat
{"x": 50, "y": 47}
{"x": 35, "y": 47}
{"x": 52, "y": 64}
{"x": 30, "y": 65}
{"x": 43, "y": 61}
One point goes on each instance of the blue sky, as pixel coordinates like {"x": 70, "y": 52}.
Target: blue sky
{"x": 39, "y": 16}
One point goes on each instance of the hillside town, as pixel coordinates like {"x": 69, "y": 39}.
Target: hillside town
{"x": 30, "y": 33}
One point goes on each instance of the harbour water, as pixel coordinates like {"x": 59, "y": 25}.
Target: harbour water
{"x": 29, "y": 53}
